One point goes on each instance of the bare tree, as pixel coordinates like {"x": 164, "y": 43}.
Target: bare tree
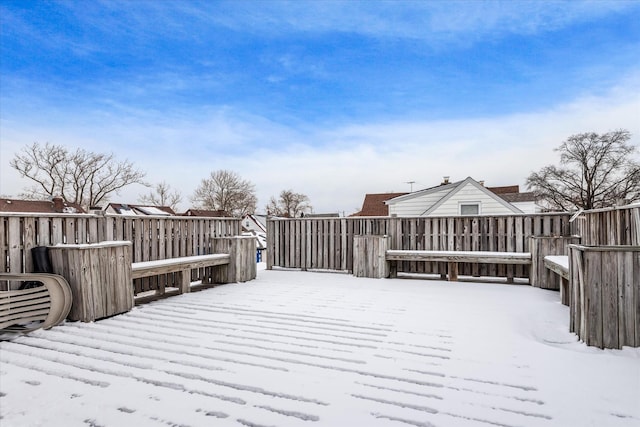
{"x": 162, "y": 195}
{"x": 595, "y": 171}
{"x": 79, "y": 176}
{"x": 226, "y": 190}
{"x": 289, "y": 204}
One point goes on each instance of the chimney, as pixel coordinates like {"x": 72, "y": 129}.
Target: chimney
{"x": 58, "y": 204}
{"x": 445, "y": 180}
{"x": 482, "y": 183}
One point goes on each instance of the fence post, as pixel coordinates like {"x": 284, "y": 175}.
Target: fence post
{"x": 242, "y": 259}
{"x": 369, "y": 256}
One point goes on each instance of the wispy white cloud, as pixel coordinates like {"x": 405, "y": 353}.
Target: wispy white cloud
{"x": 335, "y": 166}
{"x": 432, "y": 21}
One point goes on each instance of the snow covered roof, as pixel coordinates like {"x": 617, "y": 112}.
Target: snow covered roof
{"x": 127, "y": 209}
{"x": 56, "y": 205}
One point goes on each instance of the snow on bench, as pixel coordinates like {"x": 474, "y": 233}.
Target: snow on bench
{"x": 455, "y": 257}
{"x": 181, "y": 265}
{"x": 559, "y": 264}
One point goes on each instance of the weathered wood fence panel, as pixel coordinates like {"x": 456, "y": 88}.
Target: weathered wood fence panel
{"x": 99, "y": 275}
{"x": 152, "y": 237}
{"x": 541, "y": 276}
{"x": 369, "y": 256}
{"x": 327, "y": 243}
{"x": 242, "y": 265}
{"x": 604, "y": 307}
{"x": 612, "y": 226}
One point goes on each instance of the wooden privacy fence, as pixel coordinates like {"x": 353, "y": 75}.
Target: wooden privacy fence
{"x": 612, "y": 226}
{"x": 152, "y": 237}
{"x": 327, "y": 243}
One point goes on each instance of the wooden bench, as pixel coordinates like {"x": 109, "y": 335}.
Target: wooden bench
{"x": 559, "y": 264}
{"x": 452, "y": 258}
{"x": 182, "y": 266}
{"x": 40, "y": 306}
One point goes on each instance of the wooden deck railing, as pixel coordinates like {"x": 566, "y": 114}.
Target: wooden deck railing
{"x": 327, "y": 243}
{"x": 152, "y": 237}
{"x": 612, "y": 226}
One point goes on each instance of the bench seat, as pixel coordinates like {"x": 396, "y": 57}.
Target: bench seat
{"x": 559, "y": 264}
{"x": 181, "y": 265}
{"x": 455, "y": 257}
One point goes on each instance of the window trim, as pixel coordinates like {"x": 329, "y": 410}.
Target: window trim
{"x": 470, "y": 203}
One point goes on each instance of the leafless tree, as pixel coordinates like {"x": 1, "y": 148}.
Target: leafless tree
{"x": 226, "y": 190}
{"x": 289, "y": 204}
{"x": 595, "y": 171}
{"x": 162, "y": 195}
{"x": 79, "y": 176}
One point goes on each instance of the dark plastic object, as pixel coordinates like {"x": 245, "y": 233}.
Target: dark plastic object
{"x": 41, "y": 260}
{"x": 41, "y": 264}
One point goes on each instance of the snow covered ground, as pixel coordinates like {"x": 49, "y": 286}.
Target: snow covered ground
{"x": 323, "y": 349}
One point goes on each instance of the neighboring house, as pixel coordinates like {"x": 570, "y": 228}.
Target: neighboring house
{"x": 207, "y": 213}
{"x": 256, "y": 223}
{"x": 467, "y": 197}
{"x": 125, "y": 209}
{"x": 526, "y": 202}
{"x": 374, "y": 205}
{"x": 55, "y": 205}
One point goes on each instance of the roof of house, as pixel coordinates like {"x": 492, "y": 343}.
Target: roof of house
{"x": 374, "y": 205}
{"x": 461, "y": 184}
{"x": 206, "y": 213}
{"x": 509, "y": 189}
{"x": 519, "y": 197}
{"x": 425, "y": 191}
{"x": 450, "y": 189}
{"x": 124, "y": 208}
{"x": 56, "y": 205}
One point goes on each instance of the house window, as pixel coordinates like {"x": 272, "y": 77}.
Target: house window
{"x": 470, "y": 208}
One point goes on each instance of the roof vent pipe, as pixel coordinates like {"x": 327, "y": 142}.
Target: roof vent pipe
{"x": 445, "y": 180}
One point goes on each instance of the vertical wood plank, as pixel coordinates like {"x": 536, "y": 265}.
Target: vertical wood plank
{"x": 15, "y": 245}
{"x": 609, "y": 299}
{"x": 4, "y": 244}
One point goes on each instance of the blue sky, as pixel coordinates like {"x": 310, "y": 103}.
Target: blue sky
{"x": 333, "y": 99}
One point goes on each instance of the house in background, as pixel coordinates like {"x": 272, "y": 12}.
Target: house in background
{"x": 466, "y": 197}
{"x": 126, "y": 209}
{"x": 526, "y": 202}
{"x": 55, "y": 205}
{"x": 256, "y": 225}
{"x": 374, "y": 204}
{"x": 255, "y": 222}
{"x": 207, "y": 213}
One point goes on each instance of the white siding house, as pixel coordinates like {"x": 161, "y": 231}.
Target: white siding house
{"x": 467, "y": 197}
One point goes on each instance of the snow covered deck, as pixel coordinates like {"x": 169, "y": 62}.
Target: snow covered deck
{"x": 323, "y": 349}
